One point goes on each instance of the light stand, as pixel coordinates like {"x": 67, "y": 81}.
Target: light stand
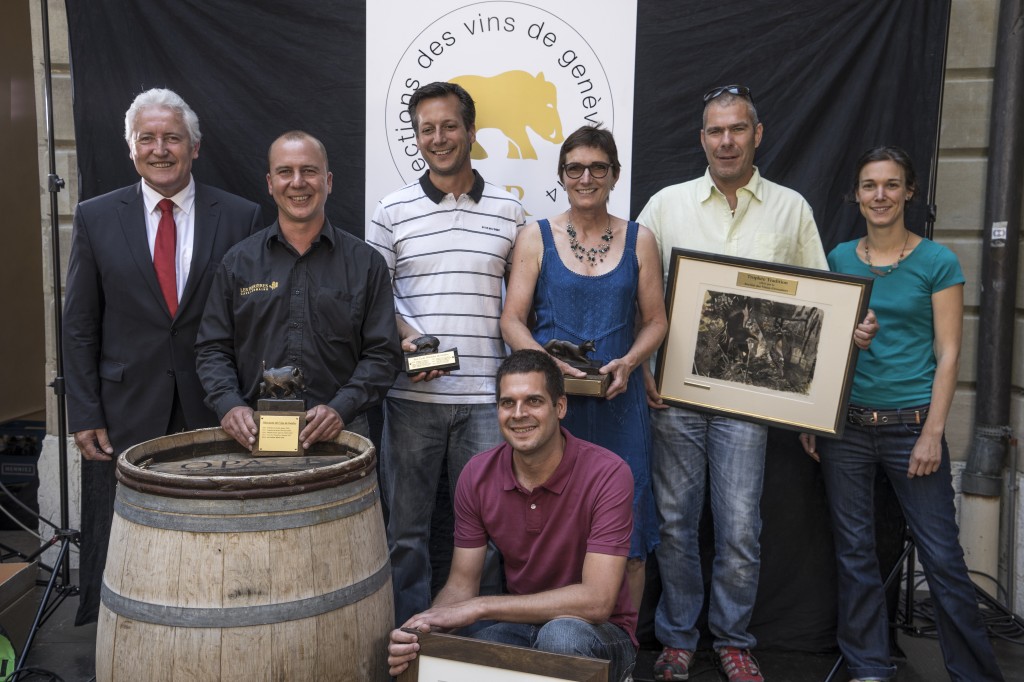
{"x": 905, "y": 561}
{"x": 64, "y": 535}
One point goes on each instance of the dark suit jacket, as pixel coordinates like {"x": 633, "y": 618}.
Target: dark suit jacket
{"x": 124, "y": 355}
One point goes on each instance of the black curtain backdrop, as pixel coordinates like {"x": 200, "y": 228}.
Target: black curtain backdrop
{"x": 830, "y": 78}
{"x": 250, "y": 69}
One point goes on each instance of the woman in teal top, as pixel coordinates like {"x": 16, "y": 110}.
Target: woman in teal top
{"x": 587, "y": 275}
{"x": 902, "y": 391}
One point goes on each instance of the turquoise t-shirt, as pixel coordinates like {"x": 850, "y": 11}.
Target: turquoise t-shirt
{"x": 898, "y": 369}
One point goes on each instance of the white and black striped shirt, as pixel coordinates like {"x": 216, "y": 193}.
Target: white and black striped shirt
{"x": 448, "y": 258}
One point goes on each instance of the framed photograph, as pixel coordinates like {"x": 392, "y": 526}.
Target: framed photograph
{"x": 761, "y": 341}
{"x": 450, "y": 658}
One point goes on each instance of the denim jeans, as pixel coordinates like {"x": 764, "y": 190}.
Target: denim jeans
{"x": 849, "y": 467}
{"x": 570, "y": 636}
{"x": 359, "y": 425}
{"x": 418, "y": 438}
{"x": 690, "y": 448}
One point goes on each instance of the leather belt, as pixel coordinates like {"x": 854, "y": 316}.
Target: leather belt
{"x": 866, "y": 416}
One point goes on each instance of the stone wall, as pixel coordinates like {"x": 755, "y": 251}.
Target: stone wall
{"x": 66, "y": 168}
{"x": 960, "y": 197}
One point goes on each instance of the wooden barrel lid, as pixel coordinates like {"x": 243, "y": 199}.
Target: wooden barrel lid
{"x": 208, "y": 463}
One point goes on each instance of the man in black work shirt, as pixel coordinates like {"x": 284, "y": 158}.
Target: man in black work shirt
{"x": 300, "y": 293}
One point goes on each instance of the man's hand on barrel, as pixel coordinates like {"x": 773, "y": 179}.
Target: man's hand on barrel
{"x": 322, "y": 423}
{"x": 239, "y": 424}
{"x": 402, "y": 649}
{"x": 94, "y": 444}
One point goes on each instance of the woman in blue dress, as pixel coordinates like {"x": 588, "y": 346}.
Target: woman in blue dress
{"x": 590, "y": 276}
{"x": 902, "y": 391}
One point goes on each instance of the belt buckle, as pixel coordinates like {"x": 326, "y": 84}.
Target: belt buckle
{"x": 857, "y": 417}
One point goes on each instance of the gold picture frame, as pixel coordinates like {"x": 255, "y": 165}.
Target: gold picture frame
{"x": 761, "y": 341}
{"x": 450, "y": 658}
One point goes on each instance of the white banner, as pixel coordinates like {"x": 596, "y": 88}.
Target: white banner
{"x": 536, "y": 75}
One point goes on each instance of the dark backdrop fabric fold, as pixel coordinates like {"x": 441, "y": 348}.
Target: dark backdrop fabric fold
{"x": 251, "y": 71}
{"x": 830, "y": 78}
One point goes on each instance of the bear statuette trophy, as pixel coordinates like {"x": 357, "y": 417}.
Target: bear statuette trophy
{"x": 280, "y": 412}
{"x": 427, "y": 357}
{"x": 575, "y": 355}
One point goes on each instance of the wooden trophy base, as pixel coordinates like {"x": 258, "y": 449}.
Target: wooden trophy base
{"x": 595, "y": 385}
{"x": 444, "y": 360}
{"x": 280, "y": 421}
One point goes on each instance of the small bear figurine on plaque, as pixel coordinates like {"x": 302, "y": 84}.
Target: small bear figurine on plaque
{"x": 575, "y": 355}
{"x": 280, "y": 412}
{"x": 426, "y": 357}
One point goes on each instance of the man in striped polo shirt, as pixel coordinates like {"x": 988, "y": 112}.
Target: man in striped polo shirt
{"x": 447, "y": 239}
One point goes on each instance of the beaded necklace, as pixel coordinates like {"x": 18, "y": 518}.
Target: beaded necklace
{"x": 877, "y": 270}
{"x": 594, "y": 254}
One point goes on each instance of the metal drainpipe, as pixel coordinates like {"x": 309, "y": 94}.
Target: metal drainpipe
{"x": 982, "y": 479}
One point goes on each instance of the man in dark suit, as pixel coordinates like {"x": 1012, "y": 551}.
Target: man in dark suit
{"x": 142, "y": 260}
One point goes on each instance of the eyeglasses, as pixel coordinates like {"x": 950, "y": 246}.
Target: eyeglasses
{"x": 738, "y": 90}
{"x": 575, "y": 170}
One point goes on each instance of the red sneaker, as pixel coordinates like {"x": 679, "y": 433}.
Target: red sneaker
{"x": 673, "y": 664}
{"x": 738, "y": 665}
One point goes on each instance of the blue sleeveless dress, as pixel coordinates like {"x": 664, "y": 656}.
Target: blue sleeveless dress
{"x": 576, "y": 308}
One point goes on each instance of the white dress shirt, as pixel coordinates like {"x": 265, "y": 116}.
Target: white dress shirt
{"x": 185, "y": 224}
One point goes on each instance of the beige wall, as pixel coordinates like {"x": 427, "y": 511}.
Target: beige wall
{"x": 22, "y": 342}
{"x": 67, "y": 167}
{"x": 963, "y": 156}
{"x": 960, "y": 192}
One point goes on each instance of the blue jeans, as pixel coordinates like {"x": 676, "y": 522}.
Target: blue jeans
{"x": 417, "y": 439}
{"x": 849, "y": 467}
{"x": 570, "y": 636}
{"x": 359, "y": 425}
{"x": 689, "y": 447}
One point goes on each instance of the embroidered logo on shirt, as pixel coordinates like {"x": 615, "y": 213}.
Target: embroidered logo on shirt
{"x": 260, "y": 286}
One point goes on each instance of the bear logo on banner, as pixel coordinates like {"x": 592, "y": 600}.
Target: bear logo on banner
{"x": 535, "y": 77}
{"x": 512, "y": 102}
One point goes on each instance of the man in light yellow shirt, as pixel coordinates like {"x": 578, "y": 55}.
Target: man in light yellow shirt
{"x": 730, "y": 210}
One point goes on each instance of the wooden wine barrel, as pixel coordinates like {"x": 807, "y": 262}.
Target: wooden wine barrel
{"x": 222, "y": 566}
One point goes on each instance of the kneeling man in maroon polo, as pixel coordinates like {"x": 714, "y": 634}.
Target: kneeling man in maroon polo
{"x": 560, "y": 511}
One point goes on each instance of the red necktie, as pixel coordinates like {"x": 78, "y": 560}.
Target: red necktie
{"x": 163, "y": 255}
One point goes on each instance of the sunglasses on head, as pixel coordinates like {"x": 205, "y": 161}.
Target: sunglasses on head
{"x": 739, "y": 90}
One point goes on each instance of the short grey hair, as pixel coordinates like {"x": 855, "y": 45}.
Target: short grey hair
{"x": 724, "y": 100}
{"x": 160, "y": 97}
